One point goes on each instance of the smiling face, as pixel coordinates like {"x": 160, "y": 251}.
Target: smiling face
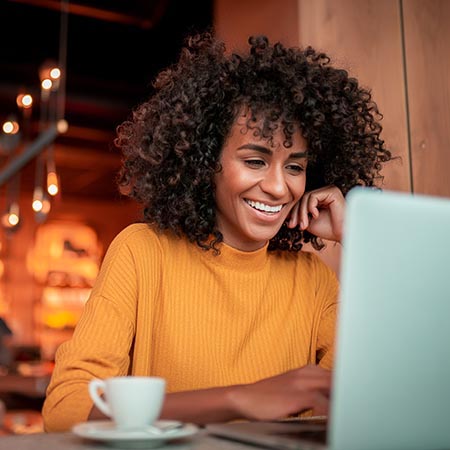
{"x": 258, "y": 185}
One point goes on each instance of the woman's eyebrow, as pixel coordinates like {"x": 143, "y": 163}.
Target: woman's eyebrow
{"x": 299, "y": 155}
{"x": 267, "y": 151}
{"x": 258, "y": 148}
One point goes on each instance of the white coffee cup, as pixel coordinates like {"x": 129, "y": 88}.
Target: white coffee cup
{"x": 132, "y": 402}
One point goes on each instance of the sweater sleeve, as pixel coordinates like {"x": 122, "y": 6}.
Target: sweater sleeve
{"x": 327, "y": 289}
{"x": 101, "y": 342}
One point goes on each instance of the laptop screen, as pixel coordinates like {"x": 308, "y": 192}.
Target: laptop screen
{"x": 392, "y": 369}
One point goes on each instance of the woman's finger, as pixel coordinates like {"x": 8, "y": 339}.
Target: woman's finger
{"x": 313, "y": 204}
{"x": 293, "y": 219}
{"x": 303, "y": 211}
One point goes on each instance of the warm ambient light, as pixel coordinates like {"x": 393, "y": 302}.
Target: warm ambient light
{"x": 65, "y": 254}
{"x": 61, "y": 319}
{"x": 46, "y": 84}
{"x": 52, "y": 183}
{"x": 10, "y": 127}
{"x": 62, "y": 126}
{"x": 46, "y": 206}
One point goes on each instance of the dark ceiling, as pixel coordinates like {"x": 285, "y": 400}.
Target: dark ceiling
{"x": 114, "y": 50}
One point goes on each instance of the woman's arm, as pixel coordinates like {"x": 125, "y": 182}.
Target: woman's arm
{"x": 100, "y": 345}
{"x": 269, "y": 399}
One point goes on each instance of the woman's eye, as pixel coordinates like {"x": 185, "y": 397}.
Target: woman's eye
{"x": 254, "y": 162}
{"x": 295, "y": 168}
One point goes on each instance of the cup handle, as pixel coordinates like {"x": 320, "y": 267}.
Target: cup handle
{"x": 102, "y": 405}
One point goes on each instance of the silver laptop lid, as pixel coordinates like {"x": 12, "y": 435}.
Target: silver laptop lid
{"x": 392, "y": 372}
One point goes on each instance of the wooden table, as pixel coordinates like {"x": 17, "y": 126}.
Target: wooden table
{"x": 68, "y": 441}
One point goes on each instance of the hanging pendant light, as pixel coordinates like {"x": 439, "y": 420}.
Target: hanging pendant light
{"x": 11, "y": 218}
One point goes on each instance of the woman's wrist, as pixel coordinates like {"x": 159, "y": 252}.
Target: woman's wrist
{"x": 233, "y": 400}
{"x": 202, "y": 406}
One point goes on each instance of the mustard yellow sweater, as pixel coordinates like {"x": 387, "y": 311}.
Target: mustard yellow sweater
{"x": 162, "y": 306}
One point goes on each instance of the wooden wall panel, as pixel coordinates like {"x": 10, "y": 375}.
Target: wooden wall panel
{"x": 427, "y": 43}
{"x": 236, "y": 20}
{"x": 364, "y": 36}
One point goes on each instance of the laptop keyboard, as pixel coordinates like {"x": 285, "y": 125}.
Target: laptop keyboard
{"x": 317, "y": 436}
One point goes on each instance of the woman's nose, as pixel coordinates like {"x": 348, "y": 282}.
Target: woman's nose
{"x": 274, "y": 183}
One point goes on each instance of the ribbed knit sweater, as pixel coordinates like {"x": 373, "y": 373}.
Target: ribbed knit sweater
{"x": 162, "y": 306}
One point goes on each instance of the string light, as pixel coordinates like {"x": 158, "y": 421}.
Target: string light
{"x": 50, "y": 76}
{"x": 10, "y": 219}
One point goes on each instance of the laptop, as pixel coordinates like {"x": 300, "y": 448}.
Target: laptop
{"x": 391, "y": 382}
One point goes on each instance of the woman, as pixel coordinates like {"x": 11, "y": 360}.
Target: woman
{"x": 238, "y": 160}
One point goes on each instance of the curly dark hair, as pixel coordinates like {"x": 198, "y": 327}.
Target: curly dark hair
{"x": 172, "y": 144}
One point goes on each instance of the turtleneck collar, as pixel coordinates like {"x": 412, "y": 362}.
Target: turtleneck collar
{"x": 238, "y": 259}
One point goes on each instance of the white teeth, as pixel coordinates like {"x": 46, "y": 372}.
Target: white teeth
{"x": 263, "y": 207}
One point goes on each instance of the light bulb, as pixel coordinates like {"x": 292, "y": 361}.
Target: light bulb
{"x": 27, "y": 100}
{"x": 52, "y": 183}
{"x": 46, "y": 84}
{"x": 13, "y": 219}
{"x": 55, "y": 73}
{"x": 53, "y": 190}
{"x": 62, "y": 126}
{"x": 24, "y": 101}
{"x": 37, "y": 205}
{"x": 37, "y": 199}
{"x": 10, "y": 127}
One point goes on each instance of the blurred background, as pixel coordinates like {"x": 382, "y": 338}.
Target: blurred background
{"x": 59, "y": 206}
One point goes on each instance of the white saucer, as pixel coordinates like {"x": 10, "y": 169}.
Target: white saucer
{"x": 106, "y": 431}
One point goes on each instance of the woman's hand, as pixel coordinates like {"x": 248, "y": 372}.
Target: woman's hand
{"x": 279, "y": 396}
{"x": 321, "y": 212}
{"x": 268, "y": 399}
